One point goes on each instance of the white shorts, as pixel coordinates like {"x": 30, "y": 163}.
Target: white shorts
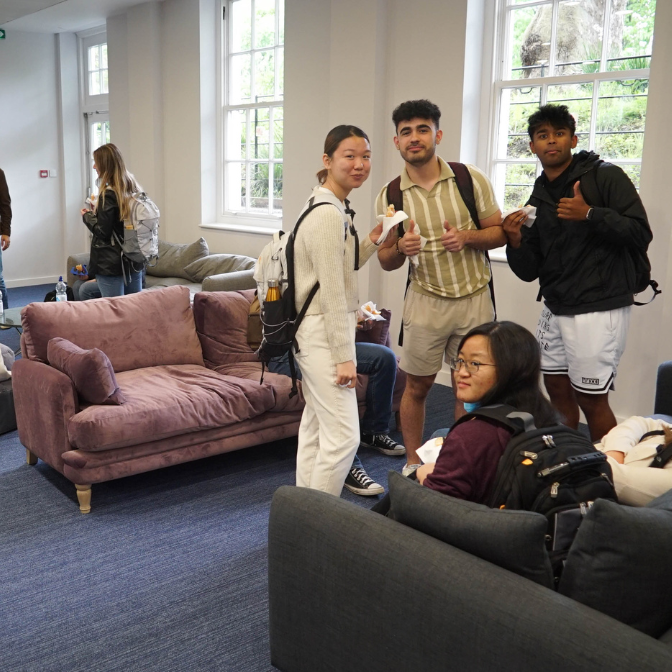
{"x": 586, "y": 347}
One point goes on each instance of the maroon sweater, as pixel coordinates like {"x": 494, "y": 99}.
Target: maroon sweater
{"x": 468, "y": 460}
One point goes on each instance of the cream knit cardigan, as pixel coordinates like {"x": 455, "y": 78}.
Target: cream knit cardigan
{"x": 324, "y": 251}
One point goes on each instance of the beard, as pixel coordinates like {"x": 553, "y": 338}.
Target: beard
{"x": 419, "y": 159}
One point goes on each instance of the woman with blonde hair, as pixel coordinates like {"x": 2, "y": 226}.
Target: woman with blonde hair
{"x": 116, "y": 186}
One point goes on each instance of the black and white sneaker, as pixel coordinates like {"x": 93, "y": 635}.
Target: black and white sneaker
{"x": 382, "y": 443}
{"x": 358, "y": 481}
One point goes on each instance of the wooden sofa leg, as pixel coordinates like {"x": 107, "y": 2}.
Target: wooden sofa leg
{"x": 397, "y": 420}
{"x": 84, "y": 497}
{"x": 30, "y": 458}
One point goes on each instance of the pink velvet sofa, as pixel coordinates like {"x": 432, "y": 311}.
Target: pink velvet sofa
{"x": 189, "y": 379}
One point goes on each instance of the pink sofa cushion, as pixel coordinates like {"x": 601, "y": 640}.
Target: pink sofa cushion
{"x": 379, "y": 331}
{"x": 221, "y": 322}
{"x": 144, "y": 329}
{"x": 90, "y": 370}
{"x": 167, "y": 401}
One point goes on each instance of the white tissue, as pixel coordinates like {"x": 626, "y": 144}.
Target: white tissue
{"x": 530, "y": 210}
{"x": 389, "y": 223}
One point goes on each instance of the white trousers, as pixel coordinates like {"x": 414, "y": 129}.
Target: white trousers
{"x": 329, "y": 431}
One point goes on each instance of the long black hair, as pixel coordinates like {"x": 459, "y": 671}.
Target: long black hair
{"x": 517, "y": 361}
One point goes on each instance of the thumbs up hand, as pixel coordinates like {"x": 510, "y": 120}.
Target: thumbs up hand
{"x": 410, "y": 243}
{"x": 574, "y": 208}
{"x": 453, "y": 240}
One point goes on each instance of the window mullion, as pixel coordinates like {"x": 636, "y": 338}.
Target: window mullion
{"x": 606, "y": 36}
{"x": 248, "y": 164}
{"x": 555, "y": 10}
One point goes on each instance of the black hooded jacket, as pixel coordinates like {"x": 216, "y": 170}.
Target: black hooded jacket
{"x": 585, "y": 266}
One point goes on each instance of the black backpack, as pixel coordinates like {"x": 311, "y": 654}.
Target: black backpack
{"x": 639, "y": 256}
{"x": 279, "y": 319}
{"x": 555, "y": 471}
{"x": 465, "y": 187}
{"x": 51, "y": 296}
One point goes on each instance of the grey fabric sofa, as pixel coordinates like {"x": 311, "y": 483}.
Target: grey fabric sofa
{"x": 189, "y": 265}
{"x": 350, "y": 589}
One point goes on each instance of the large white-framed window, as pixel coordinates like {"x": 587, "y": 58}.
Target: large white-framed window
{"x": 252, "y": 113}
{"x": 95, "y": 97}
{"x": 591, "y": 55}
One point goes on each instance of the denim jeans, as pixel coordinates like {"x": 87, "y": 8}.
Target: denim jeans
{"x": 114, "y": 285}
{"x": 3, "y": 289}
{"x": 380, "y": 364}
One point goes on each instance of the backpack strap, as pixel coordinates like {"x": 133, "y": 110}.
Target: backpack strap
{"x": 513, "y": 419}
{"x": 396, "y": 198}
{"x": 465, "y": 185}
{"x": 663, "y": 457}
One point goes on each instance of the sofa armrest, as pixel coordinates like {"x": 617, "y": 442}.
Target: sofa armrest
{"x": 45, "y": 399}
{"x": 347, "y": 584}
{"x": 73, "y": 260}
{"x": 230, "y": 282}
{"x": 663, "y": 403}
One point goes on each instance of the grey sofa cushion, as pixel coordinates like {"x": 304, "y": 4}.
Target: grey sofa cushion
{"x": 173, "y": 259}
{"x": 619, "y": 564}
{"x": 663, "y": 502}
{"x": 215, "y": 264}
{"x": 513, "y": 540}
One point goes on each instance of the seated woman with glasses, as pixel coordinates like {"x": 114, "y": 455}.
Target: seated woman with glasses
{"x": 497, "y": 363}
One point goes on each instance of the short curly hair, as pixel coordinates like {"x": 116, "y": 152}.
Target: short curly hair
{"x": 416, "y": 109}
{"x": 557, "y": 116}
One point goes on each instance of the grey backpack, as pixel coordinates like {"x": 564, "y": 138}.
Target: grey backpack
{"x": 141, "y": 231}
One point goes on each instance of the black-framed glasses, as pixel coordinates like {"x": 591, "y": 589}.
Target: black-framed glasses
{"x": 456, "y": 364}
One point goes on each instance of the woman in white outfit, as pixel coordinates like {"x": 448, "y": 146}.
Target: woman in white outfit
{"x": 326, "y": 251}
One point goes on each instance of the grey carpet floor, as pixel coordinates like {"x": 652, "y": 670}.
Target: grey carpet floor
{"x": 168, "y": 572}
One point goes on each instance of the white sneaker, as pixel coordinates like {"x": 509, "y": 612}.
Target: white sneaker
{"x": 408, "y": 469}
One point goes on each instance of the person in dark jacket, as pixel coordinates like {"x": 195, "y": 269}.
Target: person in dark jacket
{"x": 5, "y": 229}
{"x": 115, "y": 277}
{"x": 589, "y": 217}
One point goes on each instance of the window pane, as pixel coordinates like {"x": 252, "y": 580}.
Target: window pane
{"x": 103, "y": 55}
{"x": 633, "y": 172}
{"x": 621, "y": 117}
{"x": 235, "y": 187}
{"x": 277, "y": 189}
{"x": 579, "y": 51}
{"x": 530, "y": 39}
{"x": 260, "y": 132}
{"x": 239, "y": 79}
{"x": 241, "y": 25}
{"x": 94, "y": 58}
{"x": 281, "y": 21}
{"x": 259, "y": 187}
{"x": 280, "y": 55}
{"x": 517, "y": 105}
{"x": 264, "y": 75}
{"x": 105, "y": 88}
{"x": 94, "y": 83}
{"x": 278, "y": 125}
{"x": 579, "y": 100}
{"x": 631, "y": 34}
{"x": 236, "y": 135}
{"x": 519, "y": 181}
{"x": 264, "y": 27}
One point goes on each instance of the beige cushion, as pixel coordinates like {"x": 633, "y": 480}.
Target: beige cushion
{"x": 218, "y": 263}
{"x": 173, "y": 259}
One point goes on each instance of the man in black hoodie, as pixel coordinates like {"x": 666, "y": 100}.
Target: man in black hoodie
{"x": 589, "y": 217}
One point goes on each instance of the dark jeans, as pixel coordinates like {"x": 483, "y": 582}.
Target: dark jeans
{"x": 380, "y": 364}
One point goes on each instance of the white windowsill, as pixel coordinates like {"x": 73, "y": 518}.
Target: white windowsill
{"x": 243, "y": 227}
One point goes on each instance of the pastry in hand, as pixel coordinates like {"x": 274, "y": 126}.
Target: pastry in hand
{"x": 390, "y": 211}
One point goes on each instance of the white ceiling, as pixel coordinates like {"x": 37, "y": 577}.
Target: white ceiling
{"x": 58, "y": 16}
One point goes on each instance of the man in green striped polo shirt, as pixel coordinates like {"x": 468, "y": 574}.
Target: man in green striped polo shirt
{"x": 448, "y": 293}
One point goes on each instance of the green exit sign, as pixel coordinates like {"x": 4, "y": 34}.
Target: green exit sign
{"x": 2, "y": 34}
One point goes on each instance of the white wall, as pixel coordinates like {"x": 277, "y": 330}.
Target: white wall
{"x": 29, "y": 141}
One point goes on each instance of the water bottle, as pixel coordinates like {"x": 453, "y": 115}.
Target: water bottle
{"x": 273, "y": 293}
{"x": 61, "y": 294}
